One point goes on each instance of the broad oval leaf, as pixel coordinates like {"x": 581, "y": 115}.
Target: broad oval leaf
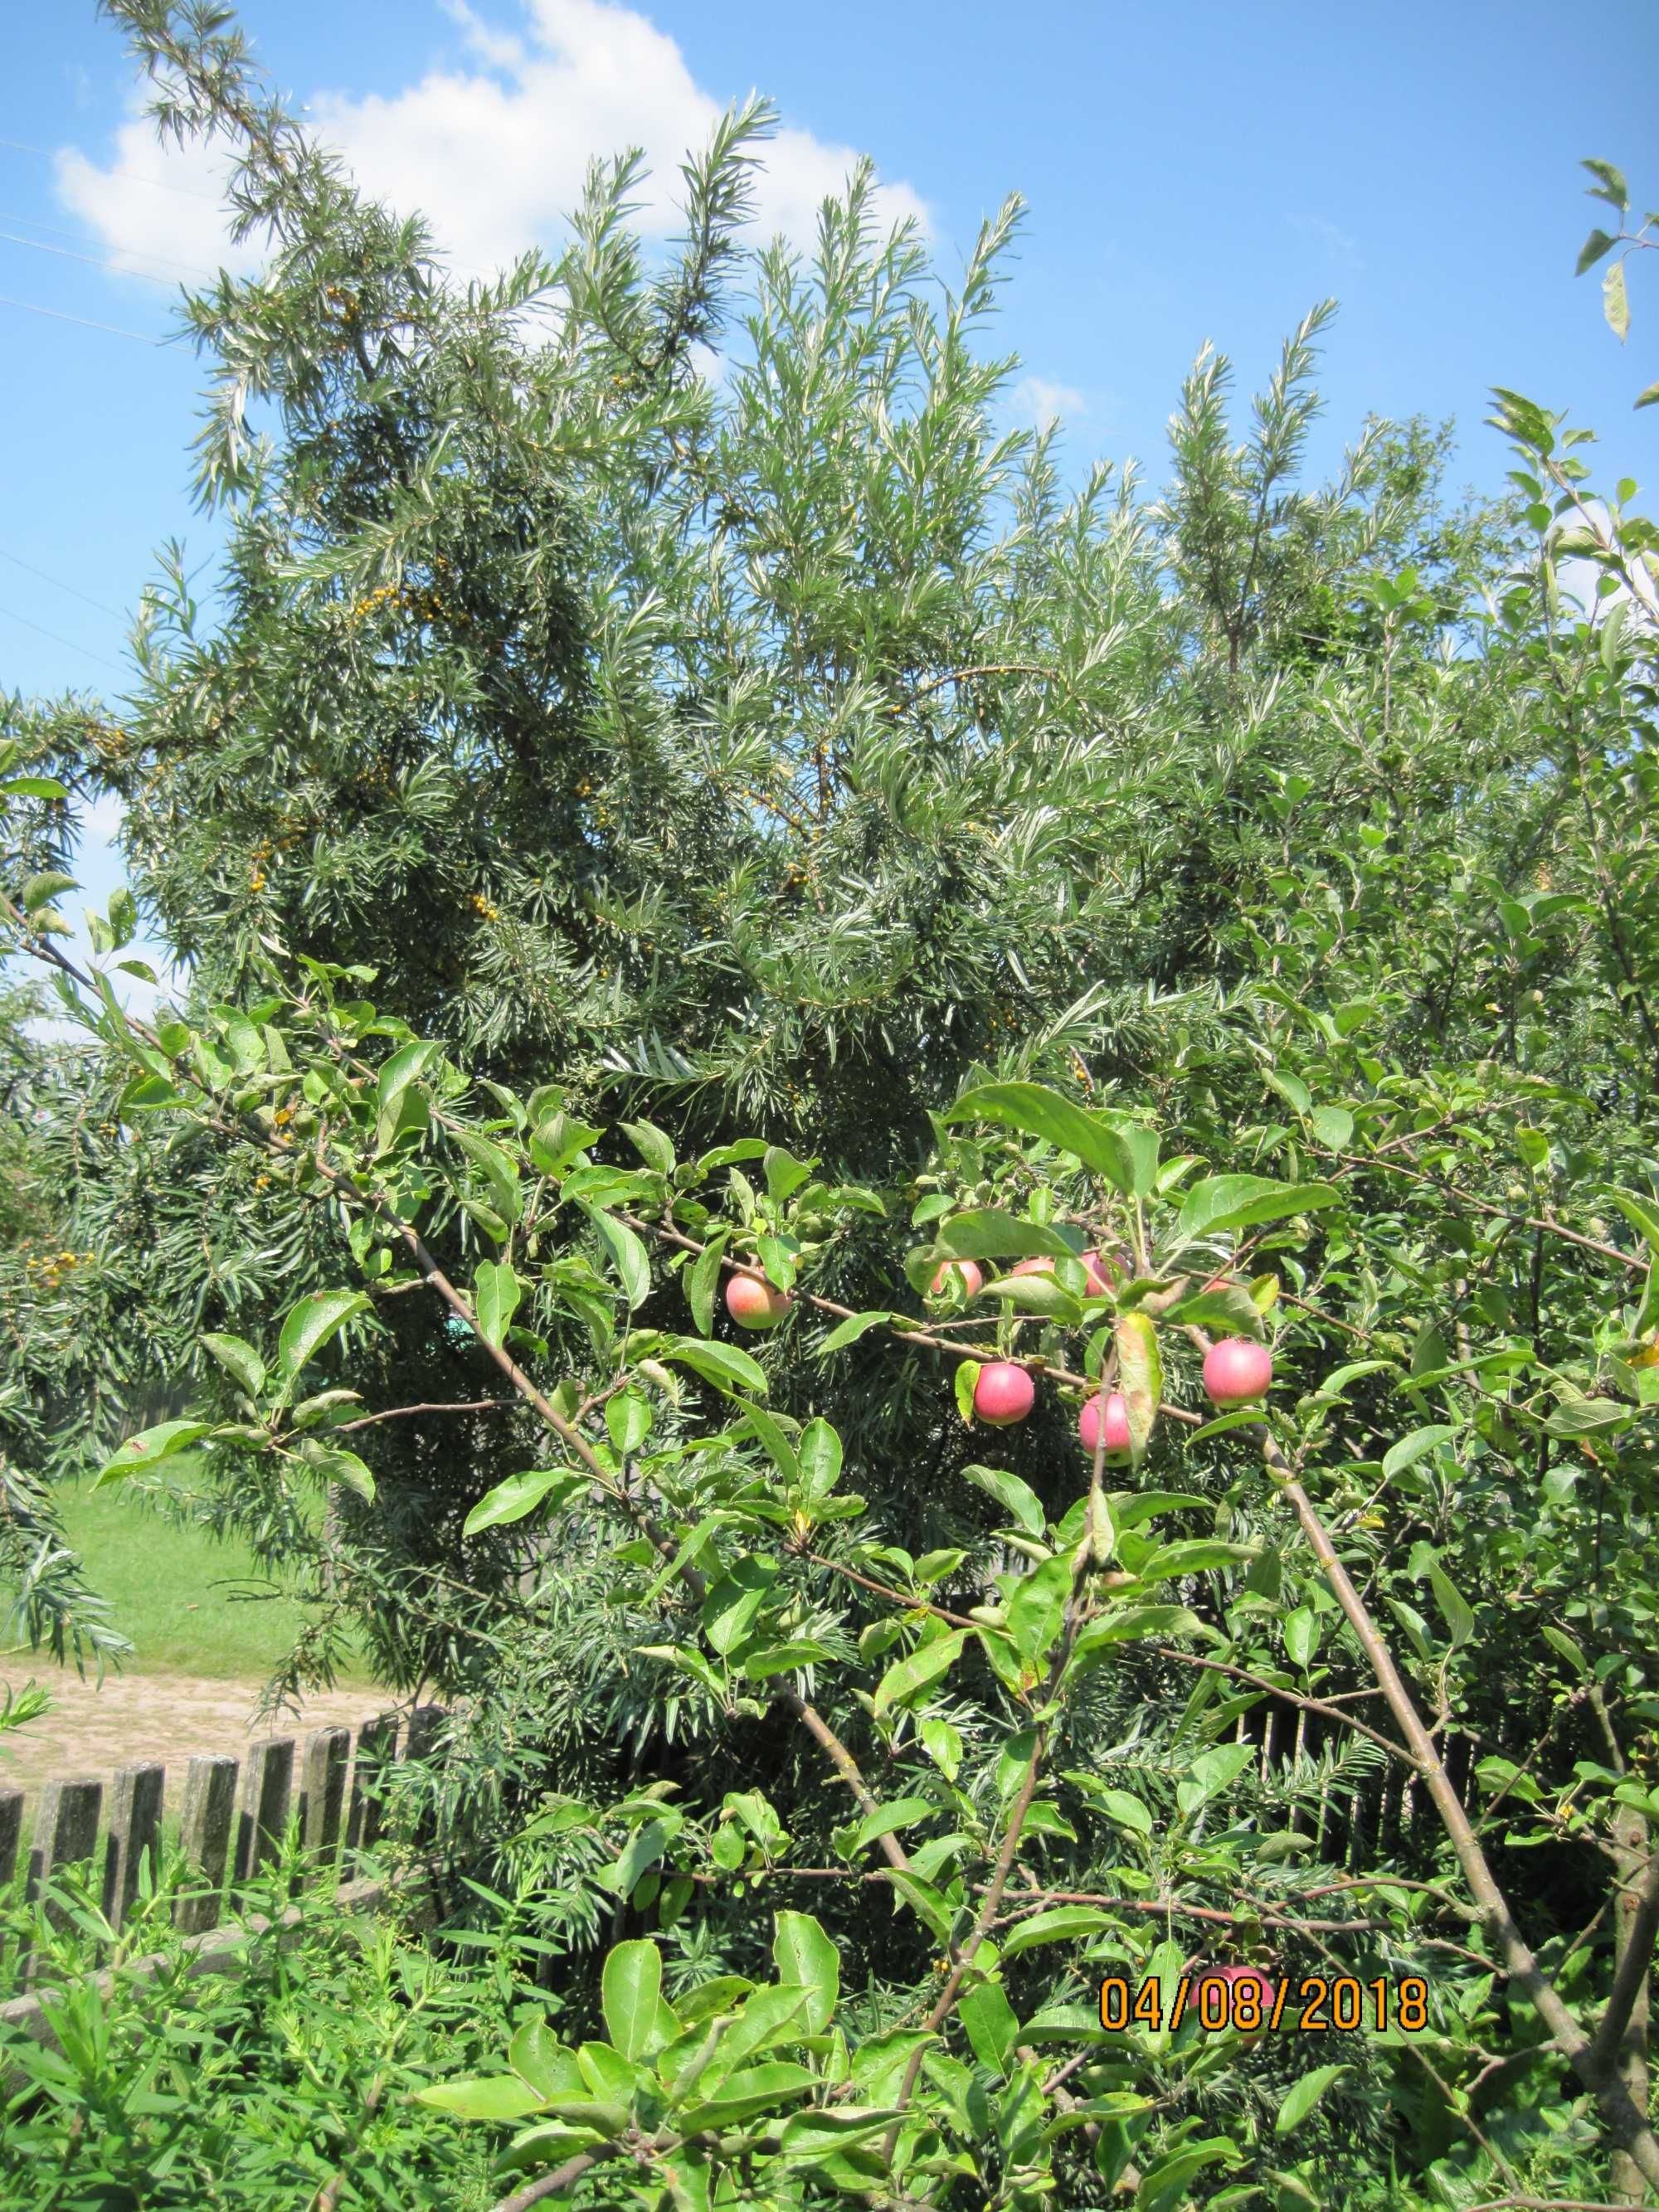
{"x": 652, "y": 1146}
{"x": 310, "y": 1325}
{"x": 704, "y": 1281}
{"x": 1140, "y": 1379}
{"x": 628, "y": 1990}
{"x": 1241, "y": 1201}
{"x": 886, "y": 1819}
{"x": 987, "y": 1235}
{"x": 1133, "y": 1624}
{"x": 1063, "y": 1924}
{"x": 820, "y": 1457}
{"x": 849, "y": 1331}
{"x": 724, "y": 1365}
{"x": 1037, "y": 1608}
{"x": 151, "y": 1447}
{"x": 732, "y": 1605}
{"x": 1410, "y": 1448}
{"x": 239, "y": 1359}
{"x": 1303, "y": 2096}
{"x": 806, "y": 1954}
{"x": 495, "y": 2097}
{"x": 496, "y": 1291}
{"x": 510, "y": 1500}
{"x": 1020, "y": 1499}
{"x": 925, "y": 1665}
{"x": 1037, "y": 1294}
{"x": 334, "y": 1463}
{"x": 1123, "y": 1155}
{"x": 992, "y": 2023}
{"x": 627, "y": 1253}
{"x": 756, "y": 2089}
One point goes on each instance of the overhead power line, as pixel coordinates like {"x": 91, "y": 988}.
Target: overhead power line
{"x": 73, "y": 590}
{"x": 161, "y": 184}
{"x": 58, "y": 316}
{"x": 84, "y": 231}
{"x": 93, "y": 260}
{"x": 11, "y": 614}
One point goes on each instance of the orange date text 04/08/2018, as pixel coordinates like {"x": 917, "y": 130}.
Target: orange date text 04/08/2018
{"x": 1251, "y": 2005}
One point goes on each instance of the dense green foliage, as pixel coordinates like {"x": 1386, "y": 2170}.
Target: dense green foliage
{"x": 243, "y": 2090}
{"x": 624, "y": 818}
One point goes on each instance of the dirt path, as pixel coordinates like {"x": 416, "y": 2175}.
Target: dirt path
{"x": 134, "y": 1717}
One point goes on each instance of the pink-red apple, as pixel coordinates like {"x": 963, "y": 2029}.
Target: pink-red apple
{"x": 1236, "y": 1370}
{"x": 753, "y": 1302}
{"x": 971, "y": 1278}
{"x": 1096, "y": 1270}
{"x": 1235, "y": 1980}
{"x": 1003, "y": 1394}
{"x": 1117, "y": 1424}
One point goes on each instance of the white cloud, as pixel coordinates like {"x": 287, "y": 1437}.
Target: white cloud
{"x": 493, "y": 149}
{"x": 159, "y": 210}
{"x": 500, "y": 48}
{"x": 1579, "y": 577}
{"x": 1336, "y": 242}
{"x": 1039, "y": 400}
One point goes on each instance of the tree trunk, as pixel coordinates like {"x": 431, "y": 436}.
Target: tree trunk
{"x": 1630, "y": 1841}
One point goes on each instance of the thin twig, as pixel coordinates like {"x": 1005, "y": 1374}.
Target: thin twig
{"x": 402, "y": 1413}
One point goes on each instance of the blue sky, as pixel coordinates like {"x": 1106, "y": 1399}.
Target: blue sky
{"x": 1205, "y": 170}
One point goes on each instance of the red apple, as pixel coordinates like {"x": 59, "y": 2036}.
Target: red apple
{"x": 971, "y": 1278}
{"x": 1096, "y": 1269}
{"x": 1220, "y": 1283}
{"x": 1234, "y": 1979}
{"x": 753, "y": 1302}
{"x": 1236, "y": 1370}
{"x": 1003, "y": 1394}
{"x": 1117, "y": 1424}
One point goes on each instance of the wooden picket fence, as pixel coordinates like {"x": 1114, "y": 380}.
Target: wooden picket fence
{"x": 1357, "y": 1821}
{"x": 234, "y": 1816}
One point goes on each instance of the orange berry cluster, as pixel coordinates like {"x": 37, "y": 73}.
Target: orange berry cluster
{"x": 49, "y": 1268}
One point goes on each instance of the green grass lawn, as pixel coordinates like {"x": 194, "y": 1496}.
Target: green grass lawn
{"x": 173, "y": 1588}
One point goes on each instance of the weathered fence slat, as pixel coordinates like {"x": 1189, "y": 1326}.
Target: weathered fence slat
{"x": 425, "y": 1725}
{"x": 11, "y": 1831}
{"x": 65, "y": 1832}
{"x": 210, "y": 1805}
{"x": 266, "y": 1785}
{"x": 135, "y": 1827}
{"x": 322, "y": 1792}
{"x": 376, "y": 1741}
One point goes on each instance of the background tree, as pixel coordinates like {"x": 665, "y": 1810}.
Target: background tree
{"x": 595, "y": 770}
